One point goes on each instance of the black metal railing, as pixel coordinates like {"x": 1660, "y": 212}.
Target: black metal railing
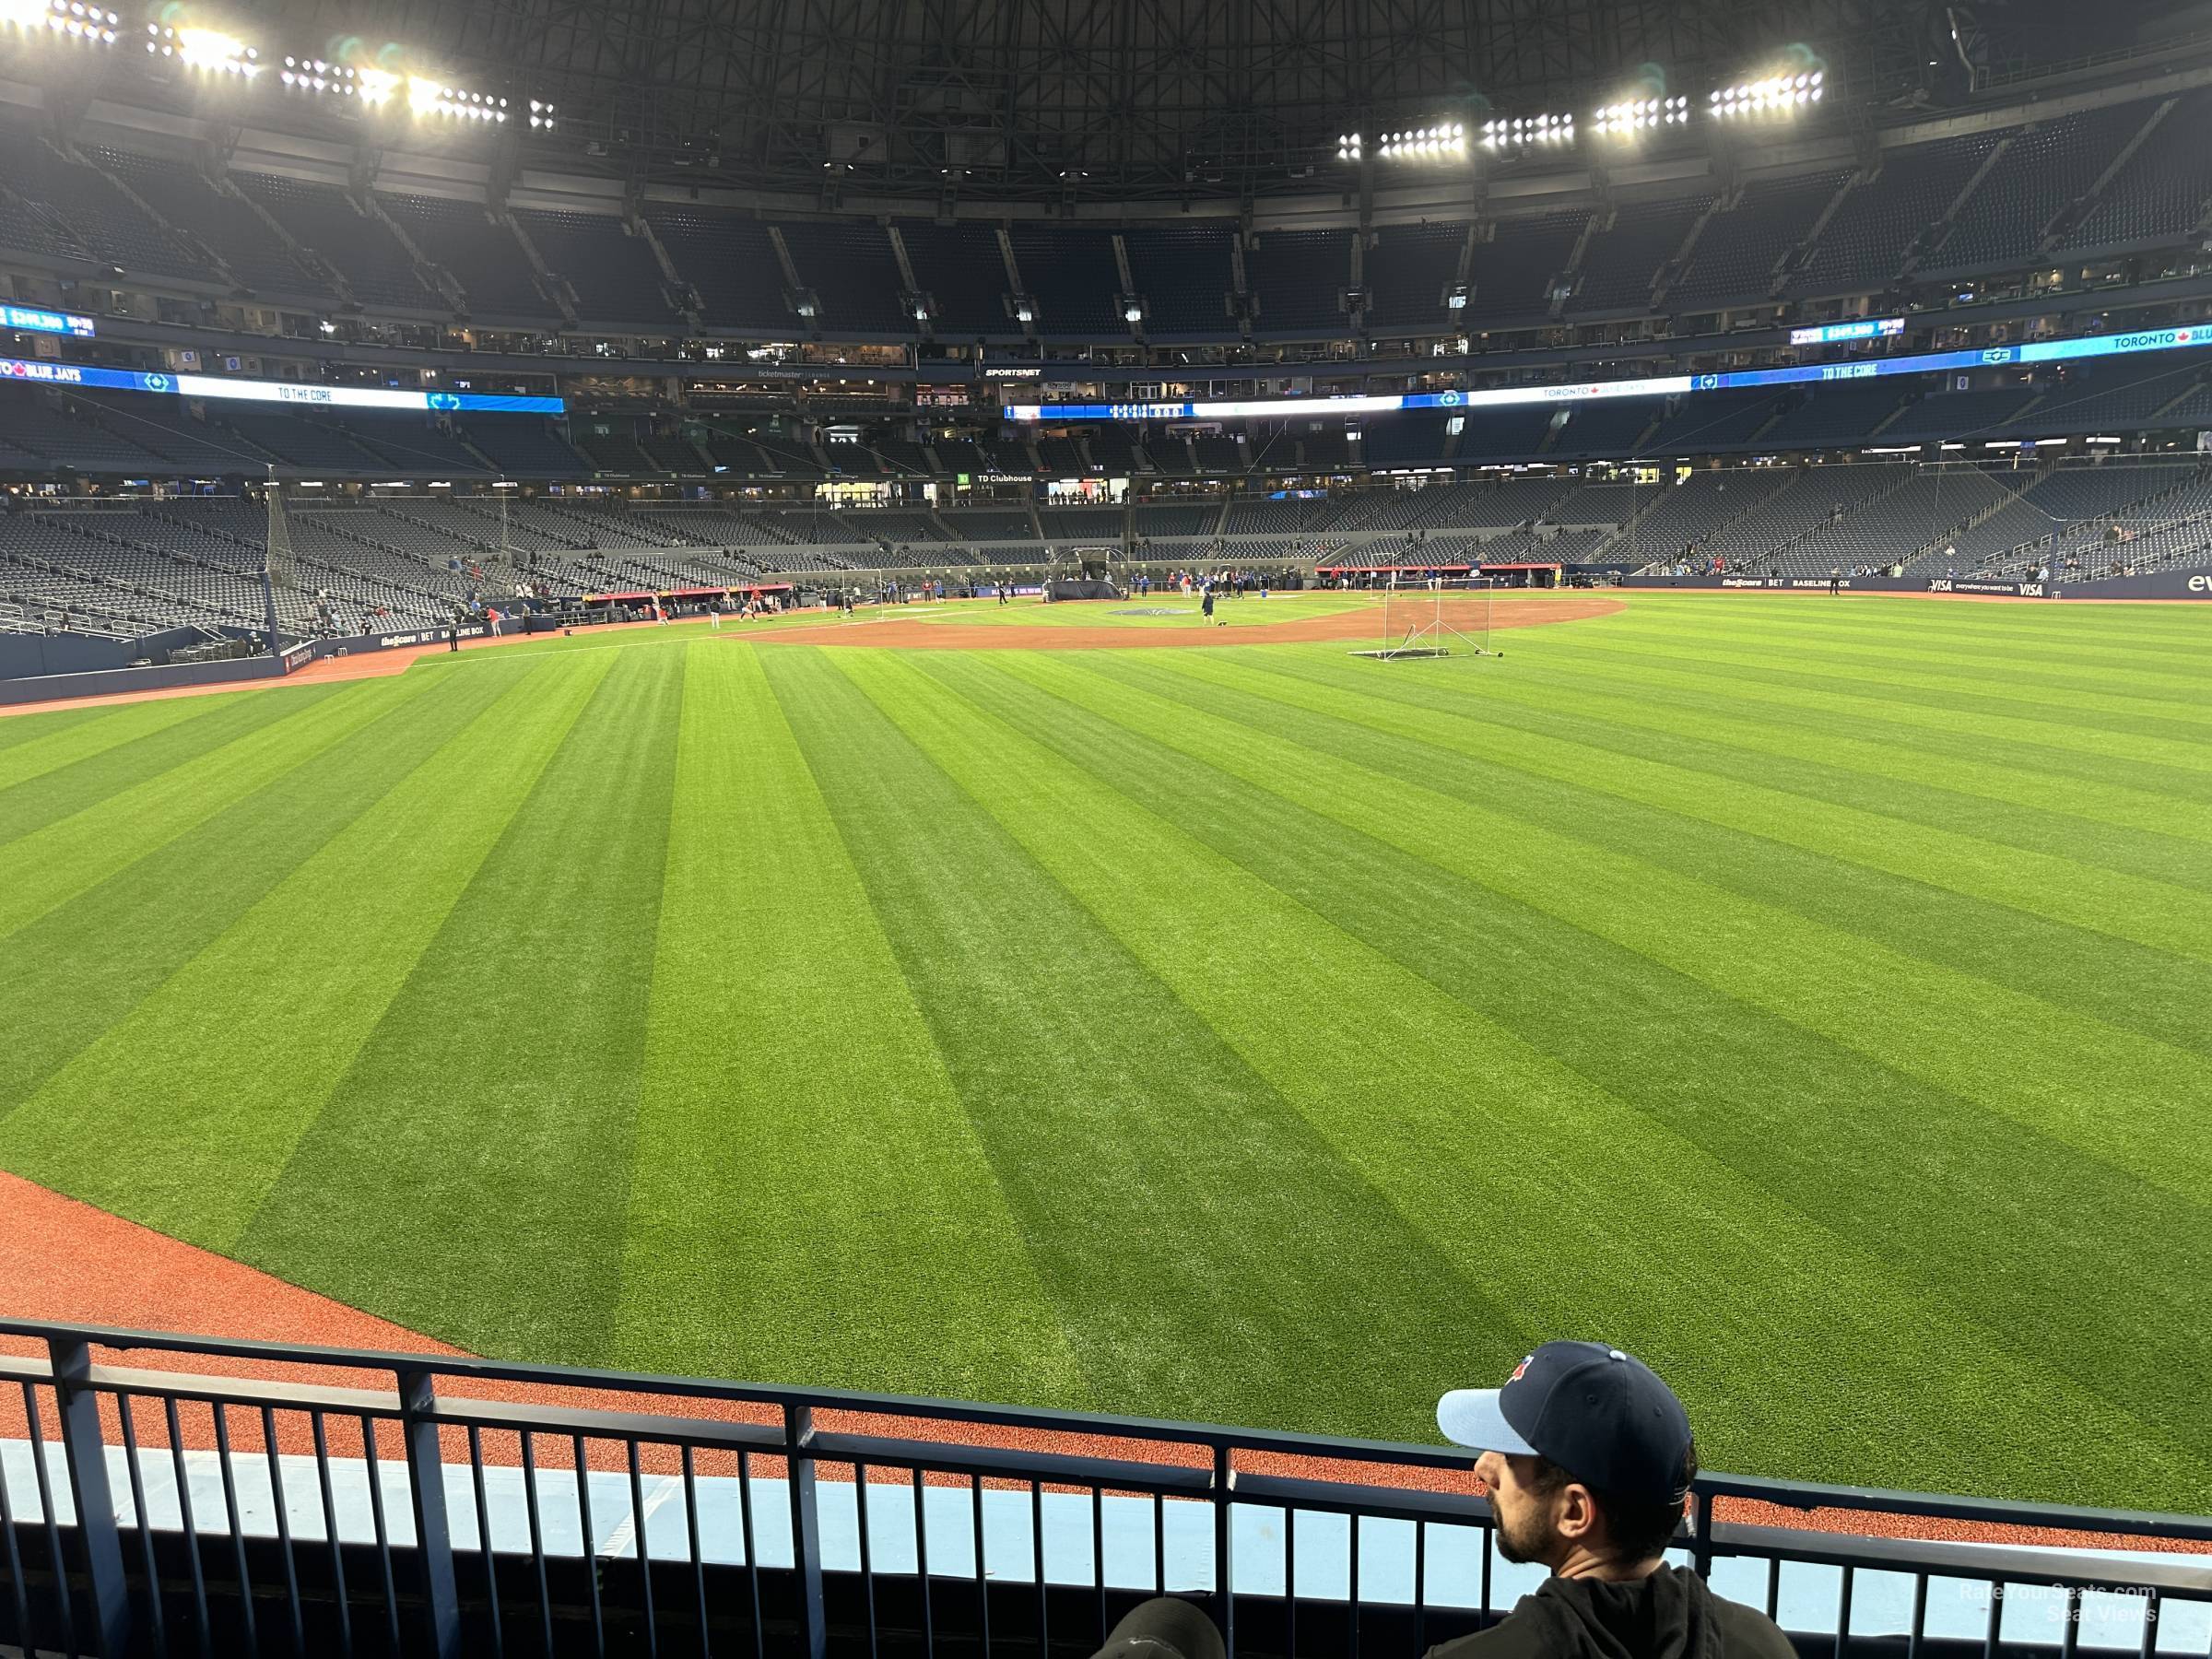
{"x": 343, "y": 1501}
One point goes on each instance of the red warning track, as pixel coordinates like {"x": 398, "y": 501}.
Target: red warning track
{"x": 909, "y": 633}
{"x": 885, "y": 627}
{"x": 62, "y": 1260}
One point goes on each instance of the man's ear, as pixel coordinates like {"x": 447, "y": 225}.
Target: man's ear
{"x": 1579, "y": 1519}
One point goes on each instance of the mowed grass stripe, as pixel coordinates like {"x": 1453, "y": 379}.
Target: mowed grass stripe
{"x": 2064, "y": 781}
{"x": 2009, "y": 640}
{"x": 20, "y": 728}
{"x": 54, "y": 864}
{"x": 2126, "y": 985}
{"x": 183, "y": 1113}
{"x": 1895, "y": 829}
{"x": 808, "y": 1202}
{"x": 1150, "y": 1168}
{"x": 1723, "y": 697}
{"x": 31, "y": 745}
{"x": 1900, "y": 755}
{"x": 2014, "y": 647}
{"x": 482, "y": 1135}
{"x": 67, "y": 790}
{"x": 2168, "y": 737}
{"x": 84, "y": 964}
{"x": 1906, "y": 1011}
{"x": 2018, "y": 635}
{"x": 1686, "y": 1118}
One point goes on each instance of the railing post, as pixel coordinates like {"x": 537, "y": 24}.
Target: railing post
{"x": 426, "y": 1496}
{"x": 84, "y": 1450}
{"x": 1224, "y": 1578}
{"x": 1701, "y": 1541}
{"x": 807, "y": 1531}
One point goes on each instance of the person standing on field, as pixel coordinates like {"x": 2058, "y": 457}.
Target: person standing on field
{"x": 1205, "y": 606}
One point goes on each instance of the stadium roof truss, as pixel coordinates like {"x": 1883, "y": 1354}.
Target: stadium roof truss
{"x": 1063, "y": 99}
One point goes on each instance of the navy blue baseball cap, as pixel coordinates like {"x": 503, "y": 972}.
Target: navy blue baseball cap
{"x": 1601, "y": 1414}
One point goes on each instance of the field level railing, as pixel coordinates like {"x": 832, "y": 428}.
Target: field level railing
{"x": 247, "y": 1498}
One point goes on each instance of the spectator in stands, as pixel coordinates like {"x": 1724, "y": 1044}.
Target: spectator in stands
{"x": 1163, "y": 1628}
{"x": 1588, "y": 1458}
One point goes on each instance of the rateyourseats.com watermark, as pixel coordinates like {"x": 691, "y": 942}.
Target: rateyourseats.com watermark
{"x": 2128, "y": 1604}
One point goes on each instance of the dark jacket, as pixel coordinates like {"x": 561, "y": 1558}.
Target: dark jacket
{"x": 1670, "y": 1615}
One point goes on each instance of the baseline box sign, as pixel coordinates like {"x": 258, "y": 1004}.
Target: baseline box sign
{"x": 434, "y": 636}
{"x": 249, "y": 391}
{"x": 1820, "y": 583}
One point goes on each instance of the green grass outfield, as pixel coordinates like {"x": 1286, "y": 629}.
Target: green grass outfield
{"x": 1812, "y": 995}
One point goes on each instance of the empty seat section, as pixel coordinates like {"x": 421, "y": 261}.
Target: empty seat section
{"x": 1713, "y": 421}
{"x": 1408, "y": 270}
{"x": 480, "y": 253}
{"x": 414, "y": 445}
{"x": 614, "y": 275}
{"x": 1983, "y": 414}
{"x": 2044, "y": 169}
{"x": 1865, "y": 243}
{"x": 731, "y": 264}
{"x": 2111, "y": 397}
{"x": 28, "y": 225}
{"x": 1403, "y": 440}
{"x": 1217, "y": 454}
{"x": 1504, "y": 434}
{"x": 165, "y": 427}
{"x": 1071, "y": 274}
{"x": 362, "y": 249}
{"x": 1509, "y": 272}
{"x": 1833, "y": 414}
{"x": 1622, "y": 263}
{"x": 1598, "y": 430}
{"x": 852, "y": 272}
{"x": 1299, "y": 279}
{"x": 522, "y": 447}
{"x": 1183, "y": 274}
{"x": 961, "y": 268}
{"x": 302, "y": 443}
{"x": 1735, "y": 258}
{"x": 114, "y": 229}
{"x": 2160, "y": 194}
{"x": 256, "y": 255}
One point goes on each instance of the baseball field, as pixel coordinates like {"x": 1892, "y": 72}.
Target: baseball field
{"x": 1812, "y": 995}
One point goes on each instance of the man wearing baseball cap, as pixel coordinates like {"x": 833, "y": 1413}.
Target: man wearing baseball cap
{"x": 1588, "y": 1458}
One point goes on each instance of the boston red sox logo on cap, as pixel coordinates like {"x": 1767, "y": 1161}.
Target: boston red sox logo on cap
{"x": 1601, "y": 1414}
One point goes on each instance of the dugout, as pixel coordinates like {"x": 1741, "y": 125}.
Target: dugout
{"x": 1526, "y": 575}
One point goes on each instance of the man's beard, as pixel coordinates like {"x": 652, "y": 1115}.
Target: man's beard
{"x": 1524, "y": 1539}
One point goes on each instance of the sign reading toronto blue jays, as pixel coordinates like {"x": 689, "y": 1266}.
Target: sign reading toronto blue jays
{"x": 1662, "y": 385}
{"x": 250, "y": 391}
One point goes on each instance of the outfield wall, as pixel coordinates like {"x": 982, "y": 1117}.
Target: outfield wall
{"x": 106, "y": 682}
{"x": 2168, "y": 584}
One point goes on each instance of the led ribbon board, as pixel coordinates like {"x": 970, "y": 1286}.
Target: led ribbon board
{"x": 45, "y": 321}
{"x": 285, "y": 391}
{"x": 1669, "y": 385}
{"x": 1864, "y": 328}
